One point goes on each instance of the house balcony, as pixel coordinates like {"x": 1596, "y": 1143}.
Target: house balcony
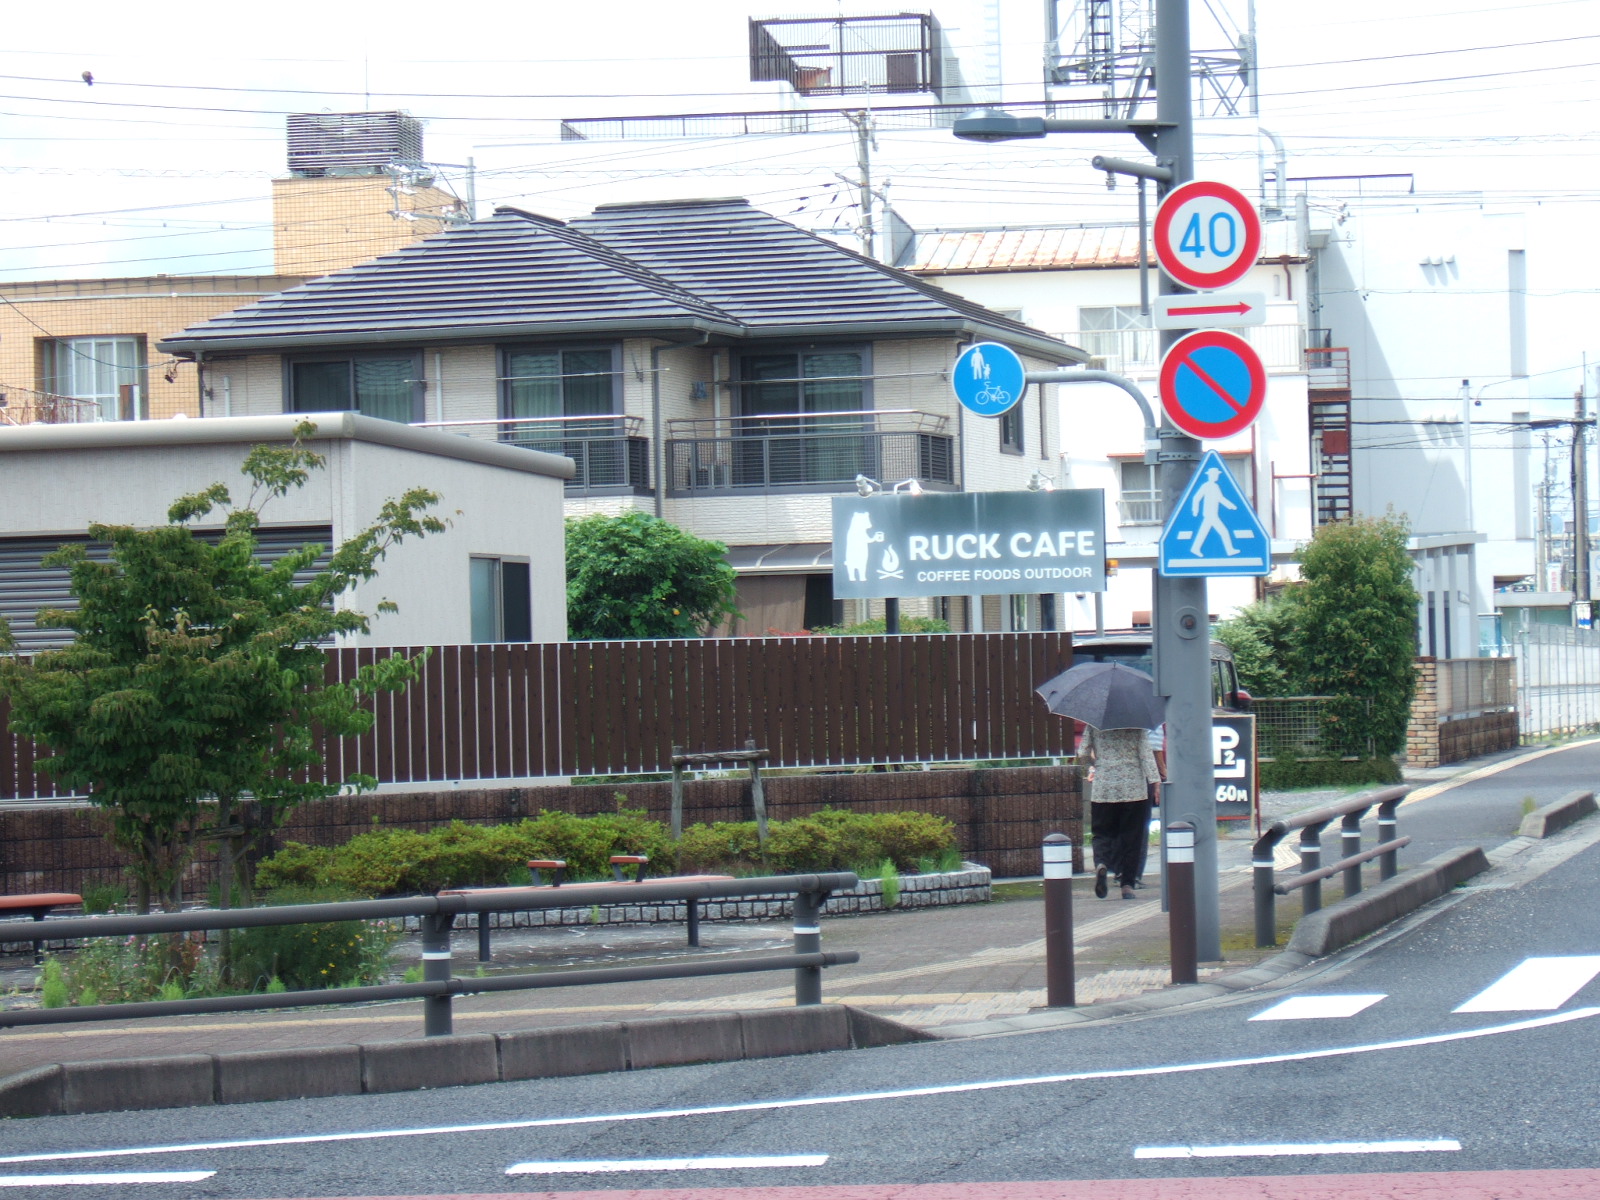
{"x": 1140, "y": 506}
{"x": 1137, "y": 352}
{"x": 24, "y": 406}
{"x": 807, "y": 452}
{"x": 611, "y": 455}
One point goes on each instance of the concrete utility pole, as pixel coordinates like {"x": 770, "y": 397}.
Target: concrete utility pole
{"x": 1580, "y": 502}
{"x": 1182, "y": 630}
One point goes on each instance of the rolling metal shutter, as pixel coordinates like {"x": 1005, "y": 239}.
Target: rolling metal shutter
{"x": 26, "y": 585}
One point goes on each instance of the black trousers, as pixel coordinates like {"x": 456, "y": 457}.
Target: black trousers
{"x": 1121, "y": 832}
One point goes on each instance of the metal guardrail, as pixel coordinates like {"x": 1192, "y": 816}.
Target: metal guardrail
{"x": 1312, "y": 872}
{"x": 437, "y": 913}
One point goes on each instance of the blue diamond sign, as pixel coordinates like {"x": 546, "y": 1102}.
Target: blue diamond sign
{"x": 1214, "y": 531}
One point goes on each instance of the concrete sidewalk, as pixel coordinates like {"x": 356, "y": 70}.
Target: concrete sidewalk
{"x": 936, "y": 969}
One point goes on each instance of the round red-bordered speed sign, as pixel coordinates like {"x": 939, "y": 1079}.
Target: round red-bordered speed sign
{"x": 1207, "y": 234}
{"x": 1212, "y": 384}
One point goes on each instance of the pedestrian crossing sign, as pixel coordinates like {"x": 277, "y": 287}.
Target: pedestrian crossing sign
{"x": 1214, "y": 530}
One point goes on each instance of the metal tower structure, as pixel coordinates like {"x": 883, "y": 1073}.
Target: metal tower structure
{"x": 1105, "y": 49}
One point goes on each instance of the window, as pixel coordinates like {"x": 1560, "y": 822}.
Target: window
{"x": 502, "y": 601}
{"x": 1010, "y": 423}
{"x": 540, "y": 383}
{"x": 1120, "y": 334}
{"x": 109, "y": 371}
{"x": 1140, "y": 501}
{"x": 782, "y": 399}
{"x": 386, "y": 386}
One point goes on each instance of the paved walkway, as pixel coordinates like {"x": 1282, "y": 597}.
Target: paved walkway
{"x": 929, "y": 967}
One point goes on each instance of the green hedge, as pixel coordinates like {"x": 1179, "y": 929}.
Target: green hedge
{"x": 1283, "y": 775}
{"x": 389, "y": 862}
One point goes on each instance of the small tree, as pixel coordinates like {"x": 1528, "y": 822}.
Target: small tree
{"x": 637, "y": 576}
{"x": 1265, "y": 638}
{"x": 196, "y": 673}
{"x": 1358, "y": 616}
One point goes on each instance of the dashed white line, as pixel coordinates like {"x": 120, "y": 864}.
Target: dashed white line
{"x": 1283, "y": 1149}
{"x": 1536, "y": 985}
{"x": 1308, "y": 1008}
{"x": 724, "y": 1163}
{"x": 103, "y": 1178}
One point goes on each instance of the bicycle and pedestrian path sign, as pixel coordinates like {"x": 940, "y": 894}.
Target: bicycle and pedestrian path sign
{"x": 988, "y": 378}
{"x": 1214, "y": 531}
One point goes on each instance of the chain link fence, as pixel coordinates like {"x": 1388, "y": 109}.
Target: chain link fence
{"x": 1299, "y": 727}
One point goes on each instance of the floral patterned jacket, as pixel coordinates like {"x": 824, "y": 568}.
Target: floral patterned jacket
{"x": 1124, "y": 765}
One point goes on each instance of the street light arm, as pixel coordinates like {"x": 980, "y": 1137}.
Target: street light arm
{"x": 1152, "y": 430}
{"x": 996, "y": 125}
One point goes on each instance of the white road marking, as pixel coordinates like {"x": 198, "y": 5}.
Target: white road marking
{"x": 1536, "y": 985}
{"x": 712, "y": 1110}
{"x": 92, "y": 1179}
{"x": 726, "y": 1163}
{"x": 1287, "y": 1148}
{"x": 1307, "y": 1008}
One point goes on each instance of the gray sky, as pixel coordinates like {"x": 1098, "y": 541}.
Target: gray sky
{"x": 162, "y": 165}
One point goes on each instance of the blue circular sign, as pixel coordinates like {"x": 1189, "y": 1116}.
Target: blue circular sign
{"x": 988, "y": 378}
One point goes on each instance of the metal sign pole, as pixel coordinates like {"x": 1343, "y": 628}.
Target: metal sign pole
{"x": 1182, "y": 631}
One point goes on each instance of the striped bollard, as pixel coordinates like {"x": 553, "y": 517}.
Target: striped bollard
{"x": 1181, "y": 917}
{"x": 1060, "y": 984}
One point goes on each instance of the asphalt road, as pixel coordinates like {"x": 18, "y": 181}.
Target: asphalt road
{"x": 1404, "y": 1088}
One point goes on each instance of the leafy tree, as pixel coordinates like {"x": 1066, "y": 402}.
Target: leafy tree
{"x": 637, "y": 576}
{"x": 1358, "y": 616}
{"x": 1265, "y": 638}
{"x": 196, "y": 672}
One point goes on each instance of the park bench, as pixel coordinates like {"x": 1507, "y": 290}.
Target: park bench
{"x": 556, "y": 868}
{"x": 38, "y": 905}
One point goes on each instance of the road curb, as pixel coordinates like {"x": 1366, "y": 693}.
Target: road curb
{"x": 1349, "y": 920}
{"x": 1552, "y": 818}
{"x": 187, "y": 1080}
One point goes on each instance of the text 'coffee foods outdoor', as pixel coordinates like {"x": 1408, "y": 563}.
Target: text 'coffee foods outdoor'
{"x": 959, "y": 543}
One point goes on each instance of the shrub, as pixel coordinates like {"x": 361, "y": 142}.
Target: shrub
{"x": 875, "y": 625}
{"x": 830, "y": 840}
{"x": 1327, "y": 772}
{"x": 404, "y": 861}
{"x": 303, "y": 957}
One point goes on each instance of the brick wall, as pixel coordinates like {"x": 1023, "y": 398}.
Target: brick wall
{"x": 1431, "y": 742}
{"x": 1001, "y": 817}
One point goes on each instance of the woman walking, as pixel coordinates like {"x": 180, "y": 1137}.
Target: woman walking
{"x": 1125, "y": 780}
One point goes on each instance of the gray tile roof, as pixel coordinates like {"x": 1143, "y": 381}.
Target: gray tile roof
{"x": 719, "y": 267}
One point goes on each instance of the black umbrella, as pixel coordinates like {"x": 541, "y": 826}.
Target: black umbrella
{"x": 1107, "y": 696}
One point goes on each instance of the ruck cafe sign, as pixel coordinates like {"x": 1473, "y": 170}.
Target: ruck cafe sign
{"x": 969, "y": 543}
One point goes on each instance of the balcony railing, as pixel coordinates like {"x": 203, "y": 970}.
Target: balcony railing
{"x": 1140, "y": 507}
{"x": 806, "y": 451}
{"x": 24, "y": 406}
{"x": 1328, "y": 367}
{"x": 1138, "y": 351}
{"x": 609, "y": 452}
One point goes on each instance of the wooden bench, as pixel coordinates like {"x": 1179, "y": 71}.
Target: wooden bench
{"x": 38, "y": 905}
{"x": 557, "y": 870}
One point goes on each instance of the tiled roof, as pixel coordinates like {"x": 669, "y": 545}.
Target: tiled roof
{"x": 711, "y": 266}
{"x": 512, "y": 273}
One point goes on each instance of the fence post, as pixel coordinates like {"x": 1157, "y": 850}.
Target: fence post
{"x": 1181, "y": 919}
{"x": 1388, "y": 826}
{"x": 436, "y": 966}
{"x": 677, "y": 793}
{"x": 485, "y": 954}
{"x": 758, "y": 797}
{"x": 807, "y": 940}
{"x": 1350, "y": 845}
{"x": 1311, "y": 860}
{"x": 1266, "y": 899}
{"x": 1059, "y": 971}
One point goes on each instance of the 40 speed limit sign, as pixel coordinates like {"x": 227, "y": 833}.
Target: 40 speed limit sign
{"x": 1207, "y": 235}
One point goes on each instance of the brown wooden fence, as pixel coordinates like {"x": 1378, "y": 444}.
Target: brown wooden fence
{"x": 612, "y": 708}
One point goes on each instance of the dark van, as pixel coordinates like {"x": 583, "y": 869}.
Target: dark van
{"x": 1136, "y": 650}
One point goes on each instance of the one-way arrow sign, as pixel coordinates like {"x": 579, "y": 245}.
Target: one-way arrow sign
{"x": 1209, "y": 310}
